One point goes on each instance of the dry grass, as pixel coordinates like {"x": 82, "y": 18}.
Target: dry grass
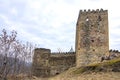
{"x": 84, "y": 76}
{"x": 90, "y": 76}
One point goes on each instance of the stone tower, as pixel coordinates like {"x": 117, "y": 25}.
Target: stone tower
{"x": 41, "y": 62}
{"x": 92, "y": 39}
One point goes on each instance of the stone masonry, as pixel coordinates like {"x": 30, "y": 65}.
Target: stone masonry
{"x": 92, "y": 42}
{"x": 47, "y": 64}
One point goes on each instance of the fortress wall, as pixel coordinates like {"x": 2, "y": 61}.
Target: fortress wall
{"x": 92, "y": 42}
{"x": 47, "y": 64}
{"x": 62, "y": 54}
{"x": 61, "y": 63}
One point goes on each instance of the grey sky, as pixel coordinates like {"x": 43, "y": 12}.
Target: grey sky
{"x": 52, "y": 23}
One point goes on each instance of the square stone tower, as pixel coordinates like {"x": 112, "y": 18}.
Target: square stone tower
{"x": 92, "y": 40}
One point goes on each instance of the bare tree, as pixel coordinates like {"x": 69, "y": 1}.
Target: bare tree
{"x": 59, "y": 50}
{"x": 7, "y": 42}
{"x": 14, "y": 54}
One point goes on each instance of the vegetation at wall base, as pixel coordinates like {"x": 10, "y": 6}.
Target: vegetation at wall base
{"x": 111, "y": 65}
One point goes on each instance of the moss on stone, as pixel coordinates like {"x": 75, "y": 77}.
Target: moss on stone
{"x": 98, "y": 66}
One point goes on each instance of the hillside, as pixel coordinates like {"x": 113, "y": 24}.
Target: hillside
{"x": 108, "y": 70}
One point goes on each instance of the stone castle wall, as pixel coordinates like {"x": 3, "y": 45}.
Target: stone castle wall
{"x": 47, "y": 64}
{"x": 61, "y": 61}
{"x": 92, "y": 42}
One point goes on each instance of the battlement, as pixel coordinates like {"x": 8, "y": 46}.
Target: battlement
{"x": 114, "y": 51}
{"x": 62, "y": 54}
{"x": 92, "y": 11}
{"x": 42, "y": 49}
{"x": 91, "y": 36}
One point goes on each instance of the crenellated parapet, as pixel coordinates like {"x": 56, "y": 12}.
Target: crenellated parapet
{"x": 92, "y": 11}
{"x": 66, "y": 53}
{"x": 93, "y": 16}
{"x": 92, "y": 38}
{"x": 62, "y": 54}
{"x": 115, "y": 51}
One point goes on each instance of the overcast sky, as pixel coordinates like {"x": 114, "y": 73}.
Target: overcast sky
{"x": 52, "y": 23}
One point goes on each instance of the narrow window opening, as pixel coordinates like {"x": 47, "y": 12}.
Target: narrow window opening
{"x": 87, "y": 19}
{"x": 92, "y": 40}
{"x": 99, "y": 18}
{"x": 93, "y": 49}
{"x": 57, "y": 73}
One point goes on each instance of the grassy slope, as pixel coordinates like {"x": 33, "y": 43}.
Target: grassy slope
{"x": 104, "y": 66}
{"x": 99, "y": 71}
